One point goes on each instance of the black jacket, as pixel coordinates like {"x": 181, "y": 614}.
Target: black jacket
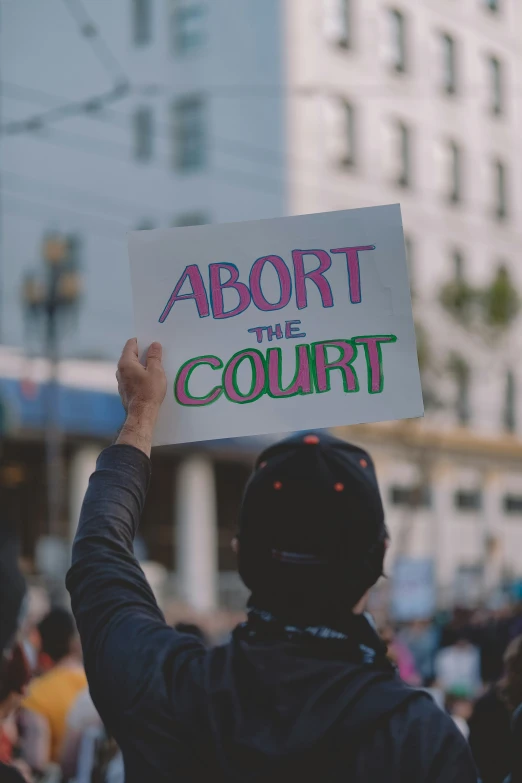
{"x": 254, "y": 710}
{"x": 490, "y": 737}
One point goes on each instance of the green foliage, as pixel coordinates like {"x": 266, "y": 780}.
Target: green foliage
{"x": 500, "y": 301}
{"x": 458, "y": 367}
{"x": 459, "y": 299}
{"x": 493, "y": 307}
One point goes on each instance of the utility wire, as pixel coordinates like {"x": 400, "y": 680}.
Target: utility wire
{"x": 90, "y": 31}
{"x": 120, "y": 88}
{"x": 271, "y": 184}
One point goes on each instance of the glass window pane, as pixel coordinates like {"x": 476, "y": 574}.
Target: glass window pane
{"x": 404, "y": 178}
{"x": 455, "y": 173}
{"x": 501, "y": 207}
{"x": 510, "y": 418}
{"x": 141, "y": 21}
{"x": 496, "y": 85}
{"x": 189, "y": 133}
{"x": 191, "y": 219}
{"x": 398, "y": 40}
{"x": 449, "y": 64}
{"x": 143, "y": 134}
{"x": 188, "y": 25}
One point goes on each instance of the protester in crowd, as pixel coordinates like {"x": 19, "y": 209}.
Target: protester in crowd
{"x": 460, "y": 706}
{"x": 490, "y": 724}
{"x": 52, "y": 694}
{"x": 421, "y": 637}
{"x": 81, "y": 717}
{"x": 14, "y": 669}
{"x": 457, "y": 668}
{"x": 304, "y": 690}
{"x": 400, "y": 655}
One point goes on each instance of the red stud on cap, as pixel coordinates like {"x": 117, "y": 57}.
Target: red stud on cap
{"x": 311, "y": 440}
{"x": 262, "y": 464}
{"x": 363, "y": 463}
{"x": 338, "y": 487}
{"x": 277, "y": 484}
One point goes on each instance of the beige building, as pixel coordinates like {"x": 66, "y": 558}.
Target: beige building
{"x": 421, "y": 103}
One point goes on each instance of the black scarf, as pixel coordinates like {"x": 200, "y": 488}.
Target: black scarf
{"x": 356, "y": 639}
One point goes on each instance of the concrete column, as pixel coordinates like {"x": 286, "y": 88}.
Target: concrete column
{"x": 196, "y": 534}
{"x": 492, "y": 531}
{"x": 83, "y": 464}
{"x": 443, "y": 531}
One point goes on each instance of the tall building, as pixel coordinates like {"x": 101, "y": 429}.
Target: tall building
{"x": 173, "y": 112}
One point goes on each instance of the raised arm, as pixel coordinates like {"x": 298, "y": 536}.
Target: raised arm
{"x": 123, "y": 632}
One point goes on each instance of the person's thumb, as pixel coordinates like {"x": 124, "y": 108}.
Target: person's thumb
{"x": 154, "y": 356}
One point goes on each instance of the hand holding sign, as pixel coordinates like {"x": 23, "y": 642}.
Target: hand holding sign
{"x": 142, "y": 390}
{"x": 340, "y": 279}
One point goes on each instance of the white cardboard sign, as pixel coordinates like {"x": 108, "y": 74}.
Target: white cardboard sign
{"x": 278, "y": 325}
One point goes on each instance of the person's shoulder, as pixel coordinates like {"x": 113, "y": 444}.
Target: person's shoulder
{"x": 431, "y": 734}
{"x": 424, "y": 724}
{"x": 10, "y": 775}
{"x": 38, "y": 690}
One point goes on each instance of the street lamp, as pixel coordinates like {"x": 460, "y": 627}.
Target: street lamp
{"x": 48, "y": 297}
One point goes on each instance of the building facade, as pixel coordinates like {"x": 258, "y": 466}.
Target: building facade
{"x": 235, "y": 109}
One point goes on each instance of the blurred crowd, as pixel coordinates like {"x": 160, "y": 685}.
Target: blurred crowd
{"x": 470, "y": 662}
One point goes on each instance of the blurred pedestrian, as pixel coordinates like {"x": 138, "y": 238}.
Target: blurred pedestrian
{"x": 14, "y": 669}
{"x": 401, "y": 656}
{"x": 304, "y": 690}
{"x": 421, "y": 637}
{"x": 457, "y": 668}
{"x": 490, "y": 725}
{"x": 52, "y": 694}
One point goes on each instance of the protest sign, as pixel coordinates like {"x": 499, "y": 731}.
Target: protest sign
{"x": 278, "y": 325}
{"x": 414, "y": 590}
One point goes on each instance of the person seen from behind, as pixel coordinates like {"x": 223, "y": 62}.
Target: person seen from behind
{"x": 304, "y": 690}
{"x": 14, "y": 667}
{"x": 52, "y": 694}
{"x": 490, "y": 724}
{"x": 457, "y": 668}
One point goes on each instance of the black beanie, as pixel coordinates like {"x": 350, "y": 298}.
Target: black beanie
{"x": 312, "y": 535}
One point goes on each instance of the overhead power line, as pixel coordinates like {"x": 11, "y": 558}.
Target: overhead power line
{"x": 120, "y": 83}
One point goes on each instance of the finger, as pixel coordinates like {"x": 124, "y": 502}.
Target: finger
{"x": 154, "y": 355}
{"x": 130, "y": 350}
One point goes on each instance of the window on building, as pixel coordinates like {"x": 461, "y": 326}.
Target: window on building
{"x": 455, "y": 173}
{"x": 468, "y": 500}
{"x": 142, "y": 21}
{"x": 190, "y": 142}
{"x": 408, "y": 246}
{"x": 143, "y": 133}
{"x": 510, "y": 394}
{"x": 458, "y": 266}
{"x": 449, "y": 64}
{"x": 348, "y": 158}
{"x": 404, "y": 155}
{"x": 191, "y": 219}
{"x": 513, "y": 504}
{"x": 500, "y": 185}
{"x": 495, "y": 70}
{"x": 398, "y": 40}
{"x": 340, "y": 132}
{"x": 188, "y": 22}
{"x": 145, "y": 225}
{"x": 413, "y": 497}
{"x": 337, "y": 22}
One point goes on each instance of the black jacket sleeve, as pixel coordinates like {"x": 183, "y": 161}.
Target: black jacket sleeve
{"x": 436, "y": 746}
{"x": 126, "y": 642}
